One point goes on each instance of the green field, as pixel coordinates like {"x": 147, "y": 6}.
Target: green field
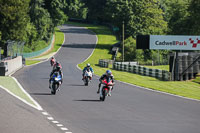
{"x": 106, "y": 39}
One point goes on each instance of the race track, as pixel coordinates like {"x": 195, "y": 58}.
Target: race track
{"x": 129, "y": 110}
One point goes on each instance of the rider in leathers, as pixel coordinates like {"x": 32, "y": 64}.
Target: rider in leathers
{"x": 107, "y": 75}
{"x": 88, "y": 67}
{"x": 57, "y": 69}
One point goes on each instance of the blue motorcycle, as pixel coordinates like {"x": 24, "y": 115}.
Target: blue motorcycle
{"x": 55, "y": 82}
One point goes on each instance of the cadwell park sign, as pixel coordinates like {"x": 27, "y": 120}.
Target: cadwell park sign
{"x": 183, "y": 65}
{"x": 168, "y": 42}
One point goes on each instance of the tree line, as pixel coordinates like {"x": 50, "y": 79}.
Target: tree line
{"x": 34, "y": 20}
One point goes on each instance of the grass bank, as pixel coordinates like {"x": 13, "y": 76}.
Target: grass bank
{"x": 10, "y": 84}
{"x": 106, "y": 39}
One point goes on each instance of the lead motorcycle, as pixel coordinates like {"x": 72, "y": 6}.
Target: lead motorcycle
{"x": 105, "y": 89}
{"x": 87, "y": 77}
{"x": 55, "y": 82}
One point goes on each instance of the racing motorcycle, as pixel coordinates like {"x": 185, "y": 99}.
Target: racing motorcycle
{"x": 105, "y": 89}
{"x": 87, "y": 77}
{"x": 55, "y": 82}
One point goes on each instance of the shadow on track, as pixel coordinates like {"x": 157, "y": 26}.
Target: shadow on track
{"x": 87, "y": 100}
{"x": 40, "y": 94}
{"x": 75, "y": 85}
{"x": 84, "y": 46}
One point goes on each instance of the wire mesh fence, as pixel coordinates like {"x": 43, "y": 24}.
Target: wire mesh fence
{"x": 14, "y": 49}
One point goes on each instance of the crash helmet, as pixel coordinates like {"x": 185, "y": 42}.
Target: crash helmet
{"x": 108, "y": 72}
{"x": 88, "y": 64}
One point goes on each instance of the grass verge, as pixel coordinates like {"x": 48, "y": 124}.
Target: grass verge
{"x": 161, "y": 67}
{"x": 10, "y": 84}
{"x": 106, "y": 39}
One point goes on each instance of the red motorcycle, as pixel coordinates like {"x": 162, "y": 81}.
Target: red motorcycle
{"x": 105, "y": 89}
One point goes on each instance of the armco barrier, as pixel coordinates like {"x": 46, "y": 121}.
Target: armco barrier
{"x": 105, "y": 63}
{"x": 37, "y": 53}
{"x": 160, "y": 74}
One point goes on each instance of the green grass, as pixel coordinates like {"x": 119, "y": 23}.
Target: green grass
{"x": 31, "y": 62}
{"x": 161, "y": 67}
{"x": 106, "y": 39}
{"x": 11, "y": 85}
{"x": 59, "y": 38}
{"x": 197, "y": 79}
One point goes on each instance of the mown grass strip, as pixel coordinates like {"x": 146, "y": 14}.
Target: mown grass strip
{"x": 161, "y": 67}
{"x": 11, "y": 85}
{"x": 106, "y": 39}
{"x": 31, "y": 62}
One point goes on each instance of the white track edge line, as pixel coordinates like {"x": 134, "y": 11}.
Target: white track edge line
{"x": 36, "y": 103}
{"x": 92, "y": 50}
{"x": 162, "y": 92}
{"x": 19, "y": 97}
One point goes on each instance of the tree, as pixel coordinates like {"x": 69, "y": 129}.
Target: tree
{"x": 41, "y": 19}
{"x": 14, "y": 20}
{"x": 96, "y": 10}
{"x": 56, "y": 10}
{"x": 140, "y": 16}
{"x": 176, "y": 16}
{"x": 194, "y": 17}
{"x": 76, "y": 9}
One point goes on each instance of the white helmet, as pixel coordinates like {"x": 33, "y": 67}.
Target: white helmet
{"x": 88, "y": 64}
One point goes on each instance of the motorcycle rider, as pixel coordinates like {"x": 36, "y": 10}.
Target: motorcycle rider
{"x": 87, "y": 68}
{"x": 56, "y": 65}
{"x": 107, "y": 75}
{"x": 57, "y": 69}
{"x": 52, "y": 61}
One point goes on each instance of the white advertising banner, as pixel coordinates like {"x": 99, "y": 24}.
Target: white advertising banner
{"x": 171, "y": 42}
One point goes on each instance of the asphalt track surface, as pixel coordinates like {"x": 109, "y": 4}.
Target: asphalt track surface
{"x": 17, "y": 117}
{"x": 129, "y": 110}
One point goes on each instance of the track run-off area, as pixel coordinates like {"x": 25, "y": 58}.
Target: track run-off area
{"x": 76, "y": 108}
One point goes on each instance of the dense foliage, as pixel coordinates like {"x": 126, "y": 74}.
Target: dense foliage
{"x": 34, "y": 21}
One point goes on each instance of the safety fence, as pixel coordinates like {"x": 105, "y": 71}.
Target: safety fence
{"x": 105, "y": 63}
{"x": 160, "y": 74}
{"x": 37, "y": 53}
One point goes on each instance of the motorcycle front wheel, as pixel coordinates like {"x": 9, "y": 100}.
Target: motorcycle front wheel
{"x": 86, "y": 81}
{"x": 54, "y": 88}
{"x": 103, "y": 95}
